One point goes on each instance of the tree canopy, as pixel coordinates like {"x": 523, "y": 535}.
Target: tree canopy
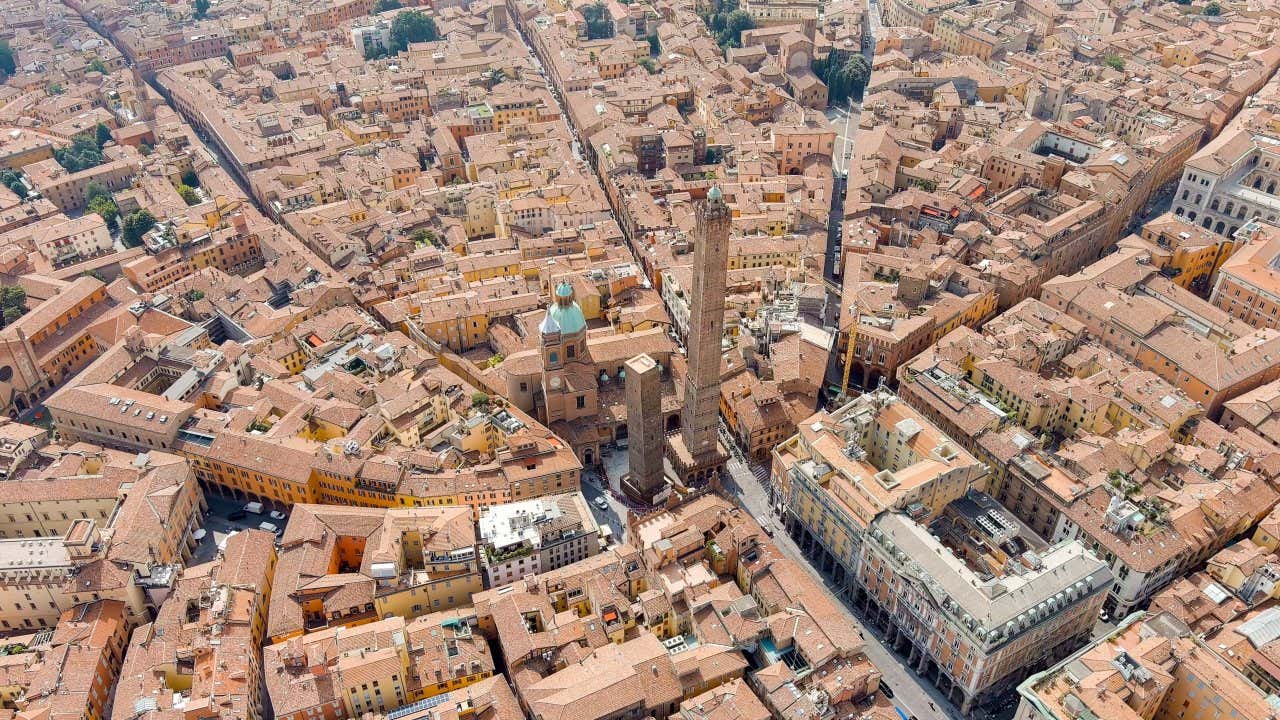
{"x": 84, "y": 152}
{"x": 1213, "y": 9}
{"x": 12, "y": 180}
{"x": 107, "y": 209}
{"x": 102, "y": 134}
{"x": 99, "y": 200}
{"x": 384, "y": 5}
{"x": 200, "y": 8}
{"x": 843, "y": 79}
{"x": 599, "y": 24}
{"x": 135, "y": 225}
{"x": 189, "y": 194}
{"x": 412, "y": 26}
{"x": 7, "y": 63}
{"x": 13, "y": 302}
{"x": 727, "y": 24}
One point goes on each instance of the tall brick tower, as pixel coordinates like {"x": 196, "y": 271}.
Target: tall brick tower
{"x": 645, "y": 434}
{"x": 696, "y": 453}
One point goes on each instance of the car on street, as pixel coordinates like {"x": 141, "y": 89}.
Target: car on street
{"x": 269, "y": 527}
{"x": 600, "y": 502}
{"x": 888, "y": 691}
{"x": 277, "y": 515}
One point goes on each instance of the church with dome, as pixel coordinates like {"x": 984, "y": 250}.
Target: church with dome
{"x": 571, "y": 376}
{"x": 569, "y": 386}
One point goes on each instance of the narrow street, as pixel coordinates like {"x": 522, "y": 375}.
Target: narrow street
{"x": 915, "y": 696}
{"x": 750, "y": 484}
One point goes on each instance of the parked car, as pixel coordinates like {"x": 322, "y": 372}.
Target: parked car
{"x": 253, "y": 507}
{"x": 277, "y": 515}
{"x": 601, "y": 503}
{"x": 236, "y": 515}
{"x": 268, "y": 527}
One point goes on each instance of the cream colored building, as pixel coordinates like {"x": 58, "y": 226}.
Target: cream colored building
{"x": 69, "y": 240}
{"x": 873, "y": 455}
{"x": 1151, "y": 666}
{"x": 350, "y": 566}
{"x": 378, "y": 667}
{"x": 96, "y": 524}
{"x": 973, "y": 618}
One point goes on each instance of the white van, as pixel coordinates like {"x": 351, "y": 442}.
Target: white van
{"x": 268, "y": 527}
{"x": 253, "y": 507}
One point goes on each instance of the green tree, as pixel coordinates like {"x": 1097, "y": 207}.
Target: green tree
{"x": 102, "y": 134}
{"x": 189, "y": 194}
{"x": 146, "y": 149}
{"x": 384, "y": 5}
{"x": 13, "y": 301}
{"x": 135, "y": 226}
{"x": 422, "y": 237}
{"x": 478, "y": 399}
{"x": 190, "y": 178}
{"x": 200, "y": 8}
{"x": 1213, "y": 9}
{"x": 1115, "y": 62}
{"x": 655, "y": 45}
{"x": 83, "y": 152}
{"x": 7, "y": 63}
{"x": 734, "y": 24}
{"x": 96, "y": 190}
{"x": 843, "y": 80}
{"x": 96, "y": 65}
{"x": 13, "y": 181}
{"x": 599, "y": 24}
{"x": 856, "y": 72}
{"x": 55, "y": 88}
{"x": 412, "y": 26}
{"x": 650, "y": 65}
{"x": 105, "y": 206}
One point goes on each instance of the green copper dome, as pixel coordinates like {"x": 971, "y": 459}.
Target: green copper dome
{"x": 564, "y": 316}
